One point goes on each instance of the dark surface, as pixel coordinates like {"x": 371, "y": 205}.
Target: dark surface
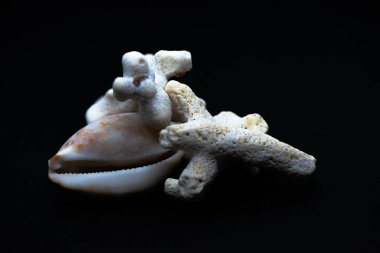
{"x": 311, "y": 72}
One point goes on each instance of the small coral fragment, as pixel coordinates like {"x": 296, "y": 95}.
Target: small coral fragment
{"x": 143, "y": 80}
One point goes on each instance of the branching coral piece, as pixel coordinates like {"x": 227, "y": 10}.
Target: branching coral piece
{"x": 143, "y": 80}
{"x": 186, "y": 105}
{"x": 209, "y": 139}
{"x": 140, "y": 88}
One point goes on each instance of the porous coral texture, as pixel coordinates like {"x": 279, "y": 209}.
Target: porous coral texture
{"x": 209, "y": 139}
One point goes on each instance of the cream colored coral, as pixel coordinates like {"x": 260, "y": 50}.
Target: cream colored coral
{"x": 186, "y": 105}
{"x": 173, "y": 63}
{"x": 143, "y": 79}
{"x": 208, "y": 139}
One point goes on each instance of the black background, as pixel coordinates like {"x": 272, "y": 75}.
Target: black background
{"x": 311, "y": 71}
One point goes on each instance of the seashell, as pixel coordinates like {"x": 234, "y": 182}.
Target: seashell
{"x": 108, "y": 105}
{"x": 114, "y": 155}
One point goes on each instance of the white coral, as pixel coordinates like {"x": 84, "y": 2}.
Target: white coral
{"x": 209, "y": 139}
{"x": 143, "y": 79}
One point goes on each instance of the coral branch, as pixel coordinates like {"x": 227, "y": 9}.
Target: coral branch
{"x": 195, "y": 178}
{"x": 208, "y": 139}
